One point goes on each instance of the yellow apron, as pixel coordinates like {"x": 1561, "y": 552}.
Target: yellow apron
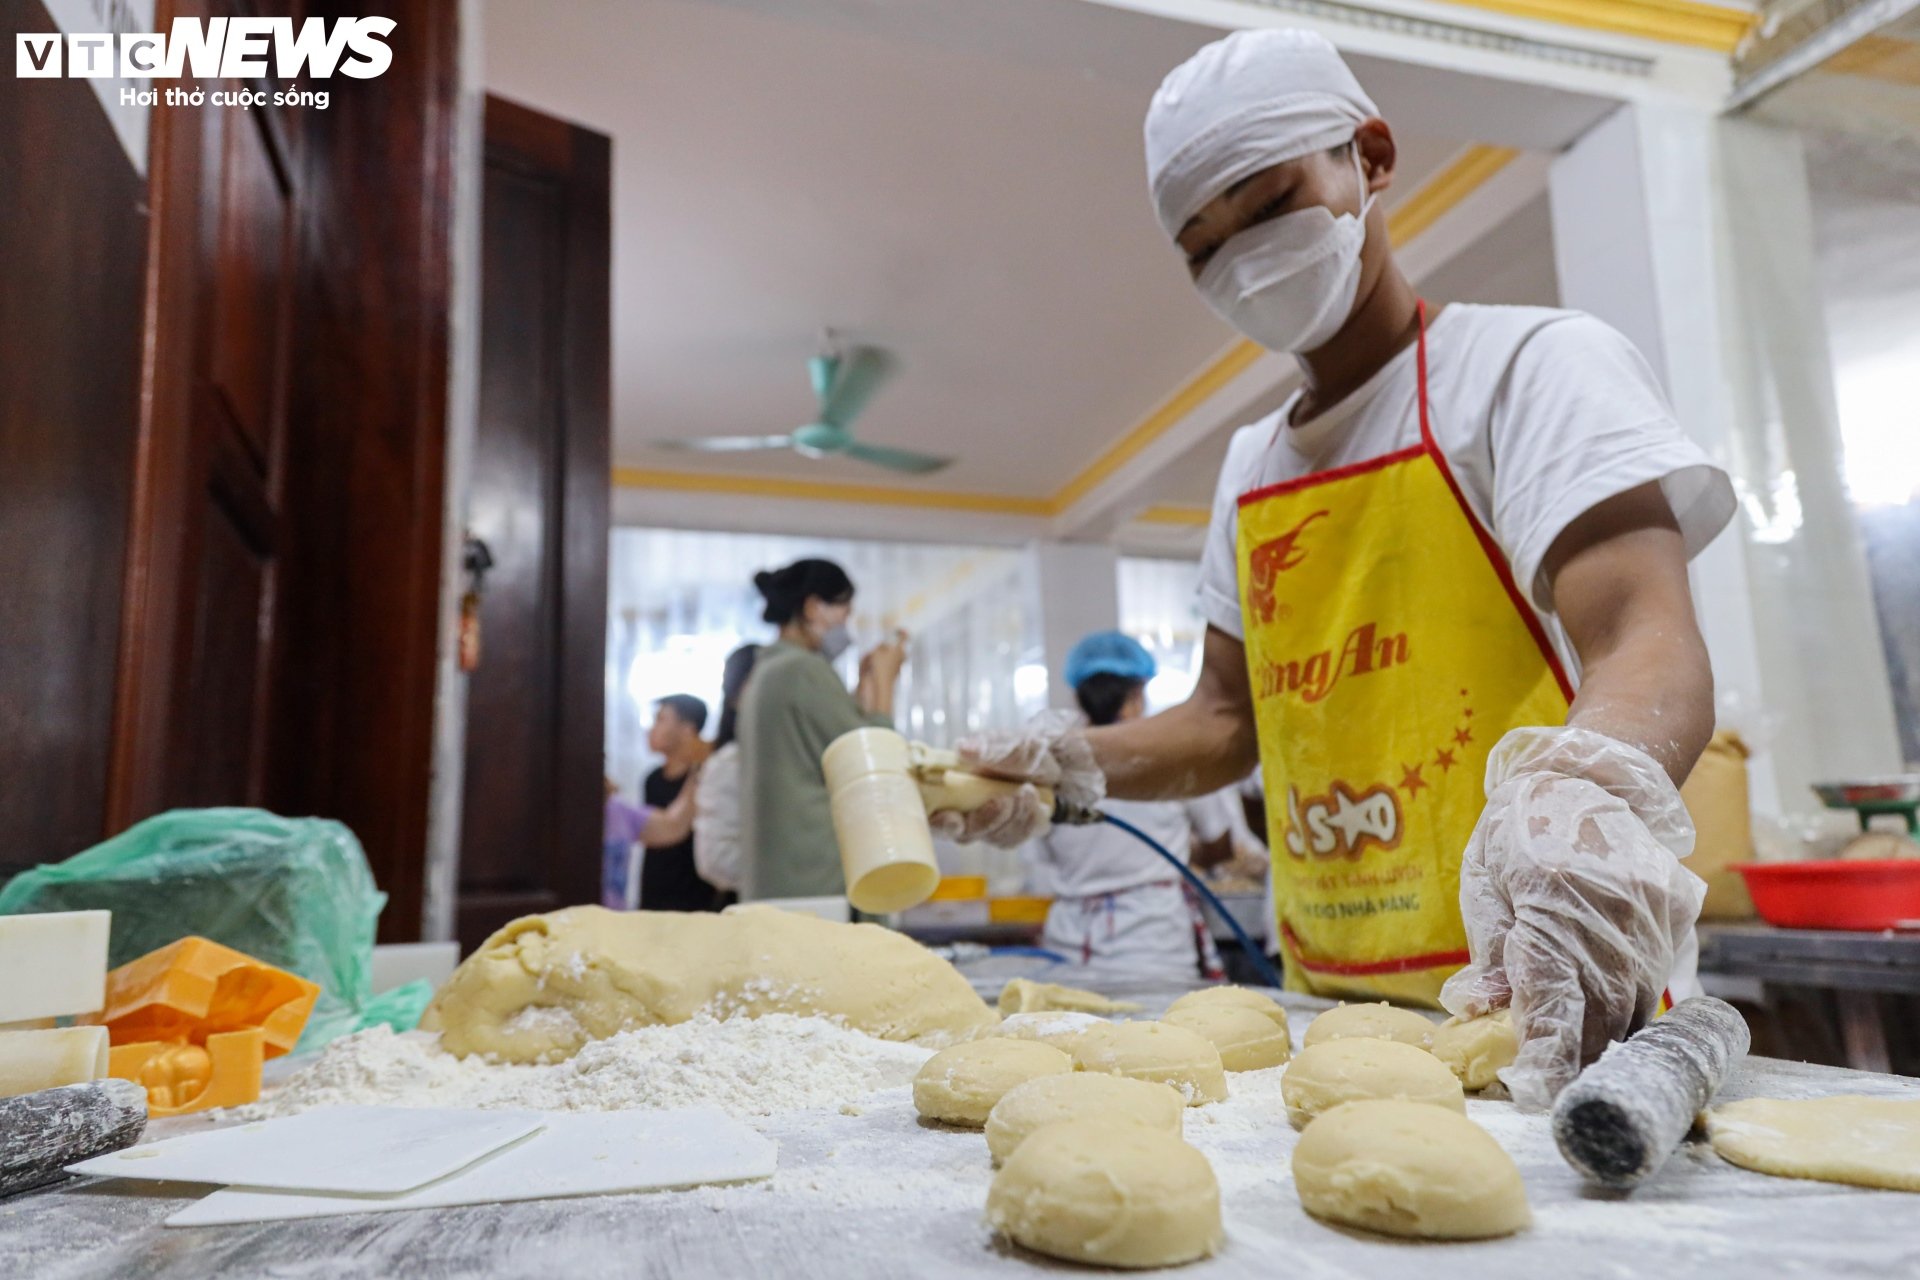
{"x": 1388, "y": 649}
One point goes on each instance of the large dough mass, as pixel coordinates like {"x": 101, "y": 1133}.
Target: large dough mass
{"x": 1866, "y": 1142}
{"x": 541, "y": 987}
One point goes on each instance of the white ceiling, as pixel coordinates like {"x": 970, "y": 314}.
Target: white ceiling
{"x": 959, "y": 180}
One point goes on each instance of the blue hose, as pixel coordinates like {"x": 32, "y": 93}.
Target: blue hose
{"x": 1038, "y": 953}
{"x": 1254, "y": 953}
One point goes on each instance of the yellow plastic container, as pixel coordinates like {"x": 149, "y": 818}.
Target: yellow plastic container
{"x": 193, "y": 1022}
{"x": 181, "y": 1077}
{"x": 1018, "y": 910}
{"x": 959, "y": 888}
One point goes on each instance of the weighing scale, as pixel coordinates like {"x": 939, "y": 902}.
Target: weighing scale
{"x": 1897, "y": 794}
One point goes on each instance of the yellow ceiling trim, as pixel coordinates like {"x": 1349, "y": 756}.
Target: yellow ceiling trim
{"x": 1175, "y": 407}
{"x": 1705, "y": 26}
{"x": 1878, "y": 58}
{"x": 1168, "y": 513}
{"x": 1438, "y": 195}
{"x": 1426, "y": 205}
{"x": 824, "y": 491}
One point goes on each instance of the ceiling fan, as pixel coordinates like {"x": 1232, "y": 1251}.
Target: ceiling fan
{"x": 843, "y": 382}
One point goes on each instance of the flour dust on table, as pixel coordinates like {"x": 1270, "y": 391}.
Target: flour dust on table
{"x": 745, "y": 1066}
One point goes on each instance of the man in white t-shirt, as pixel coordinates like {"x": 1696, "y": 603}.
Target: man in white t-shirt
{"x": 1446, "y": 588}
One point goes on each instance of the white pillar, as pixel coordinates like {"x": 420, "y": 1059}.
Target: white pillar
{"x": 1079, "y": 592}
{"x": 1693, "y": 235}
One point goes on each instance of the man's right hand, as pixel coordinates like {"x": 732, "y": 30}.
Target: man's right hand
{"x": 1051, "y": 751}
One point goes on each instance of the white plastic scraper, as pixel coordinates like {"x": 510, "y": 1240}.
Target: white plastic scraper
{"x": 347, "y": 1149}
{"x": 577, "y": 1154}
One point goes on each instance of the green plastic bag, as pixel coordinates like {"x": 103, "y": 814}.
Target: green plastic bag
{"x": 294, "y": 892}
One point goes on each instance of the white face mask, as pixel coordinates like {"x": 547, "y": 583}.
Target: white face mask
{"x": 1289, "y": 282}
{"x": 835, "y": 640}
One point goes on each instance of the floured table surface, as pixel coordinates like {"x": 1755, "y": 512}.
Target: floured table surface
{"x": 878, "y": 1194}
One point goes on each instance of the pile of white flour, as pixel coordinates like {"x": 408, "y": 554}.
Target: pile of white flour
{"x": 746, "y": 1066}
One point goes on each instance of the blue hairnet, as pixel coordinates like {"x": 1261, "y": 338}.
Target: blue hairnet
{"x": 1108, "y": 653}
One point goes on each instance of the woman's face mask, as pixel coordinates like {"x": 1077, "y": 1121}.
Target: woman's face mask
{"x": 831, "y": 630}
{"x": 1290, "y": 282}
{"x": 835, "y": 640}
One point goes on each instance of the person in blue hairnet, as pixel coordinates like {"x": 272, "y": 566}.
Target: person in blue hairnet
{"x": 1116, "y": 903}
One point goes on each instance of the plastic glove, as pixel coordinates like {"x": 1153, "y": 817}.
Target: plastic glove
{"x": 1051, "y": 751}
{"x": 1574, "y": 900}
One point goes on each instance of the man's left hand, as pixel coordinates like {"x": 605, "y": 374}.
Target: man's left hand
{"x": 1574, "y": 899}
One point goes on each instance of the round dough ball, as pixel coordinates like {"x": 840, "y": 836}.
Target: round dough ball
{"x": 961, "y": 1084}
{"x": 1081, "y": 1095}
{"x": 1058, "y": 1028}
{"x": 1404, "y": 1169}
{"x": 1111, "y": 1194}
{"x": 1237, "y": 997}
{"x": 1370, "y": 1021}
{"x": 1328, "y": 1074}
{"x": 1247, "y": 1040}
{"x": 1476, "y": 1049}
{"x": 1158, "y": 1052}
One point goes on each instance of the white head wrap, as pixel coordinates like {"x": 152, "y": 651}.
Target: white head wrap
{"x": 1243, "y": 104}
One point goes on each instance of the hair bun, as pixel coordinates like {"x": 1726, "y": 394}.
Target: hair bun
{"x": 787, "y": 589}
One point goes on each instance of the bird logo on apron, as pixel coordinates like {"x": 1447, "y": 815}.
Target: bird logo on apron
{"x": 1388, "y": 649}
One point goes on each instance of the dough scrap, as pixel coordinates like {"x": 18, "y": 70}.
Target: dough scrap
{"x": 614, "y": 970}
{"x": 1059, "y": 1028}
{"x": 1158, "y": 1052}
{"x": 1406, "y": 1169}
{"x": 1236, "y": 997}
{"x": 1380, "y": 1021}
{"x": 1024, "y": 995}
{"x": 1333, "y": 1072}
{"x": 1247, "y": 1039}
{"x": 1110, "y": 1193}
{"x": 1476, "y": 1049}
{"x": 960, "y": 1085}
{"x": 1864, "y": 1142}
{"x": 1033, "y": 1105}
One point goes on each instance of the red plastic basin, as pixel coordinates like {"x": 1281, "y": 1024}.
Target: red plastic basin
{"x": 1835, "y": 895}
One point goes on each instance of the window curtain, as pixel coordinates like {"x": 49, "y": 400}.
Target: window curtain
{"x": 1158, "y": 608}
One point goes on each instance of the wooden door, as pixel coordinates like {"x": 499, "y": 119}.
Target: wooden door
{"x": 530, "y": 835}
{"x": 283, "y": 585}
{"x": 206, "y": 541}
{"x": 73, "y": 230}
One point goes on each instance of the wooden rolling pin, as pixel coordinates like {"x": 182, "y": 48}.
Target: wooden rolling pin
{"x": 42, "y": 1133}
{"x": 1623, "y": 1116}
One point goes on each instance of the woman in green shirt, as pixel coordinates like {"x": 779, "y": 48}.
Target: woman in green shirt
{"x": 793, "y": 707}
